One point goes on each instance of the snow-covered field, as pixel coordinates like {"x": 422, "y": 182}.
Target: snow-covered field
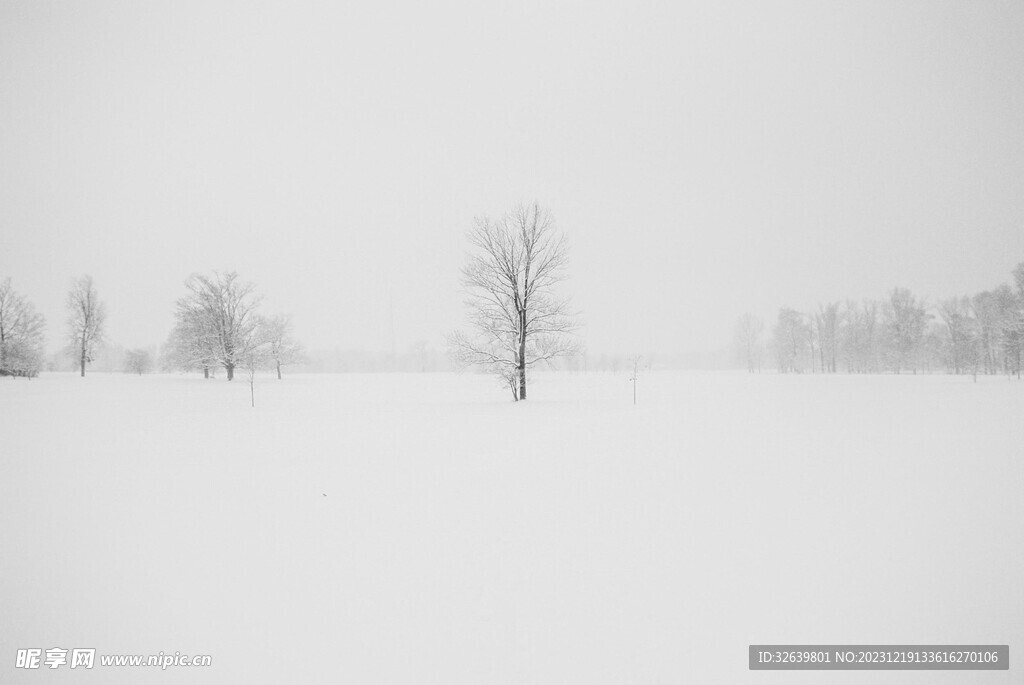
{"x": 425, "y": 529}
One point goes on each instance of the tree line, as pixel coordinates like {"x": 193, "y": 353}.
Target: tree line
{"x": 517, "y": 320}
{"x": 22, "y": 328}
{"x": 217, "y": 325}
{"x": 976, "y": 334}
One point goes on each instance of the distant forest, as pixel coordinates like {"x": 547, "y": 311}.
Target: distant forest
{"x": 977, "y": 334}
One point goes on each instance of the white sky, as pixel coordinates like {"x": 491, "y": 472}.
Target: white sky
{"x": 704, "y": 160}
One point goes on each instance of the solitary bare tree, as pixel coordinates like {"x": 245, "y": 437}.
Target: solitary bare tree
{"x": 86, "y": 316}
{"x": 510, "y": 281}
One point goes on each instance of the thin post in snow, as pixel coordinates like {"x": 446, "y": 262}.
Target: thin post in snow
{"x": 636, "y": 368}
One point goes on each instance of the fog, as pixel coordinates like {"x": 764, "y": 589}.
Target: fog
{"x": 704, "y": 160}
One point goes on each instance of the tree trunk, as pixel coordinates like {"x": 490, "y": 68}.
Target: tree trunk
{"x": 278, "y": 370}
{"x": 522, "y": 354}
{"x": 206, "y": 372}
{"x": 231, "y": 371}
{"x": 82, "y": 361}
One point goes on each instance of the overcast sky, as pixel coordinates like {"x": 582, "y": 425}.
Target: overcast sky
{"x": 703, "y": 159}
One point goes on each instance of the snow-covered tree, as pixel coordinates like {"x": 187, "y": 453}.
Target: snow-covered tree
{"x": 138, "y": 361}
{"x": 282, "y": 348}
{"x": 21, "y": 334}
{"x": 214, "y": 323}
{"x": 510, "y": 280}
{"x": 982, "y": 333}
{"x": 961, "y": 334}
{"x": 1010, "y": 316}
{"x": 791, "y": 341}
{"x": 986, "y": 310}
{"x": 86, "y": 317}
{"x": 187, "y": 347}
{"x": 826, "y": 328}
{"x": 1015, "y": 321}
{"x": 906, "y": 319}
{"x": 859, "y": 336}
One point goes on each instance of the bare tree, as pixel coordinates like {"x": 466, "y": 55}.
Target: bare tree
{"x": 282, "y": 348}
{"x": 859, "y": 336}
{"x": 748, "y": 340}
{"x": 510, "y": 281}
{"x": 826, "y": 322}
{"x": 21, "y": 334}
{"x": 86, "y": 316}
{"x": 792, "y": 341}
{"x": 1015, "y": 324}
{"x": 216, "y": 321}
{"x": 1008, "y": 305}
{"x": 906, "y": 319}
{"x": 962, "y": 337}
{"x": 418, "y": 353}
{"x": 986, "y": 309}
{"x": 138, "y": 361}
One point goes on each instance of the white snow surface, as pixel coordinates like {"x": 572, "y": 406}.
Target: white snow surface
{"x": 423, "y": 528}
